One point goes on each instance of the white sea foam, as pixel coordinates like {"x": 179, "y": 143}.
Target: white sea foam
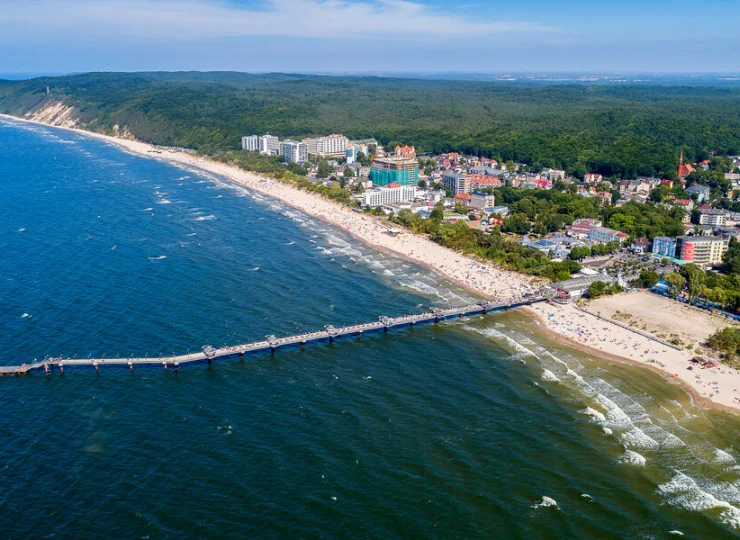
{"x": 637, "y": 438}
{"x": 720, "y": 456}
{"x": 21, "y": 229}
{"x": 164, "y": 201}
{"x": 158, "y": 258}
{"x": 549, "y": 376}
{"x": 683, "y": 491}
{"x": 25, "y": 315}
{"x": 675, "y": 533}
{"x": 595, "y": 415}
{"x": 615, "y": 416}
{"x": 147, "y": 209}
{"x": 632, "y": 458}
{"x": 587, "y": 496}
{"x": 205, "y": 218}
{"x": 497, "y": 336}
{"x": 671, "y": 441}
{"x": 546, "y": 502}
{"x": 254, "y": 269}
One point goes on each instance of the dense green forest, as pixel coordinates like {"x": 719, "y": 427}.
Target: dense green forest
{"x": 615, "y": 130}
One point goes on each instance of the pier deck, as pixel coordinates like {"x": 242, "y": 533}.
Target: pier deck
{"x": 271, "y": 343}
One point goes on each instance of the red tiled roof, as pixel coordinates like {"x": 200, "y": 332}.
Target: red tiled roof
{"x": 463, "y": 196}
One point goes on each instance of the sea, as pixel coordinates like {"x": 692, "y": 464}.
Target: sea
{"x": 480, "y": 427}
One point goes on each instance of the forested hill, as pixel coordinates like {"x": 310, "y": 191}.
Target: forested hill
{"x": 614, "y": 130}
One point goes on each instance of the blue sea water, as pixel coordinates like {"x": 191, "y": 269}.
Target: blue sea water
{"x": 476, "y": 428}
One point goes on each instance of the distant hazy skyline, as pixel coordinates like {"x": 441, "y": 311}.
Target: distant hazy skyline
{"x": 368, "y": 36}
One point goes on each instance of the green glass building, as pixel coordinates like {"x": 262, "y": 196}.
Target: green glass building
{"x": 394, "y": 170}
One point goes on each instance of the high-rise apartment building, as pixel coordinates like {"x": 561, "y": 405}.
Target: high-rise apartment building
{"x": 269, "y": 145}
{"x": 333, "y": 145}
{"x": 393, "y": 169}
{"x": 295, "y": 151}
{"x": 251, "y": 143}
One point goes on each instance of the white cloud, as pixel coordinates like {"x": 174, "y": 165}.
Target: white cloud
{"x": 157, "y": 20}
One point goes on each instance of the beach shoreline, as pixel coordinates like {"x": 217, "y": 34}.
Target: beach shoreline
{"x": 481, "y": 279}
{"x": 696, "y": 397}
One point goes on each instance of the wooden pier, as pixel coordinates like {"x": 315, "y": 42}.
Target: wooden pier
{"x": 271, "y": 343}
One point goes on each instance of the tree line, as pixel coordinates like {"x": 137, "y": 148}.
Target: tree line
{"x": 615, "y": 130}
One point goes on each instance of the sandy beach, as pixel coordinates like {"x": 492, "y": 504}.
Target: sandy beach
{"x": 586, "y": 332}
{"x": 719, "y": 386}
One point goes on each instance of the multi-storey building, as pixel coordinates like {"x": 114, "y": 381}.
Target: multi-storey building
{"x": 269, "y": 145}
{"x": 604, "y": 235}
{"x": 354, "y": 150}
{"x": 714, "y": 218}
{"x": 703, "y": 250}
{"x": 393, "y": 193}
{"x": 664, "y": 246}
{"x": 334, "y": 145}
{"x": 479, "y": 201}
{"x": 406, "y": 151}
{"x": 294, "y": 151}
{"x": 394, "y": 170}
{"x": 251, "y": 143}
{"x": 456, "y": 182}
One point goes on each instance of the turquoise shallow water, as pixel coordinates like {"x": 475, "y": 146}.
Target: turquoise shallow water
{"x": 471, "y": 429}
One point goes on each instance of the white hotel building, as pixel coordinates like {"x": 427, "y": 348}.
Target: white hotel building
{"x": 387, "y": 195}
{"x": 332, "y": 145}
{"x": 251, "y": 143}
{"x": 294, "y": 151}
{"x": 269, "y": 144}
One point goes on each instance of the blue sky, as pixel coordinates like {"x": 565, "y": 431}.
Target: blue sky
{"x": 369, "y": 35}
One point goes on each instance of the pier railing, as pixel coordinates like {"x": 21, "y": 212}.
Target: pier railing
{"x": 271, "y": 342}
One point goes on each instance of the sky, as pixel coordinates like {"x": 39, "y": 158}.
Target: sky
{"x": 370, "y": 36}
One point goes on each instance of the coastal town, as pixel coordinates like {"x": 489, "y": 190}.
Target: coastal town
{"x": 370, "y": 268}
{"x": 702, "y": 200}
{"x": 476, "y": 228}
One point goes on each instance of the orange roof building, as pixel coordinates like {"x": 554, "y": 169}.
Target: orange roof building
{"x": 463, "y": 198}
{"x": 406, "y": 151}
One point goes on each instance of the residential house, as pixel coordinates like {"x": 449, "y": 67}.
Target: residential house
{"x": 602, "y": 235}
{"x": 701, "y": 192}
